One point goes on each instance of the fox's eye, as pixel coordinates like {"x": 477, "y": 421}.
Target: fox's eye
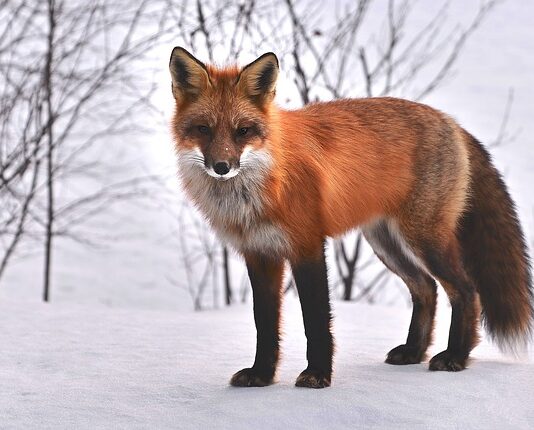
{"x": 242, "y": 131}
{"x": 203, "y": 129}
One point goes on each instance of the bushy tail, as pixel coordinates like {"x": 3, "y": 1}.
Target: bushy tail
{"x": 496, "y": 256}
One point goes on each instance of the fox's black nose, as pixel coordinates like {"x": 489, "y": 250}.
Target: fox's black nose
{"x": 221, "y": 168}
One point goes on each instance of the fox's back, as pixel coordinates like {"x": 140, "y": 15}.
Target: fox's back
{"x": 374, "y": 157}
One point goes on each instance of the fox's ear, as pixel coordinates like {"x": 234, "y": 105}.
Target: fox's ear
{"x": 258, "y": 79}
{"x": 189, "y": 75}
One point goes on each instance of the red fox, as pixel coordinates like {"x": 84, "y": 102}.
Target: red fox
{"x": 276, "y": 183}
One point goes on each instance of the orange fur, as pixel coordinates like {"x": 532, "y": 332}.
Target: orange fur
{"x": 338, "y": 165}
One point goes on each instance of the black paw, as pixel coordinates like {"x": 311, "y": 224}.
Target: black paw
{"x": 310, "y": 378}
{"x": 250, "y": 377}
{"x": 404, "y": 354}
{"x": 448, "y": 361}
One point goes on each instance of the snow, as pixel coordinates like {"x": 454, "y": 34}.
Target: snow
{"x": 79, "y": 366}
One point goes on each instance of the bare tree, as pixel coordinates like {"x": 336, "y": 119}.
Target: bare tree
{"x": 48, "y": 85}
{"x": 199, "y": 256}
{"x": 69, "y": 84}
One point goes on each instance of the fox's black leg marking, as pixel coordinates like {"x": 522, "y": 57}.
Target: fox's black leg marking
{"x": 446, "y": 265}
{"x": 312, "y": 285}
{"x": 422, "y": 288}
{"x": 266, "y": 279}
{"x": 423, "y": 293}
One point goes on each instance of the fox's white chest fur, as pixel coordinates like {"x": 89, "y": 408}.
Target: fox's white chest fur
{"x": 235, "y": 202}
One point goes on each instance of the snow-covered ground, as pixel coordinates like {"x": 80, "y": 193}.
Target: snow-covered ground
{"x": 93, "y": 367}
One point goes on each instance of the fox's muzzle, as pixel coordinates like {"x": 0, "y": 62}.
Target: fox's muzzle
{"x": 222, "y": 169}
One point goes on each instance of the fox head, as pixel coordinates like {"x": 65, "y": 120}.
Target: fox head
{"x": 221, "y": 122}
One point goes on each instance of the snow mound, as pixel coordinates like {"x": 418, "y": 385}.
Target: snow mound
{"x": 87, "y": 367}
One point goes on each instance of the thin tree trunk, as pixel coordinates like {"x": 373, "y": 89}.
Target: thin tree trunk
{"x": 351, "y": 266}
{"x": 226, "y": 270}
{"x": 49, "y": 154}
{"x": 347, "y": 292}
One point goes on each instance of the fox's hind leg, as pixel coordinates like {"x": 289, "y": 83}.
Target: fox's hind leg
{"x": 389, "y": 246}
{"x": 423, "y": 291}
{"x": 445, "y": 263}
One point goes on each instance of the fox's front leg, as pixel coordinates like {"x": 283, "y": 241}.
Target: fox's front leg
{"x": 266, "y": 278}
{"x": 312, "y": 284}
